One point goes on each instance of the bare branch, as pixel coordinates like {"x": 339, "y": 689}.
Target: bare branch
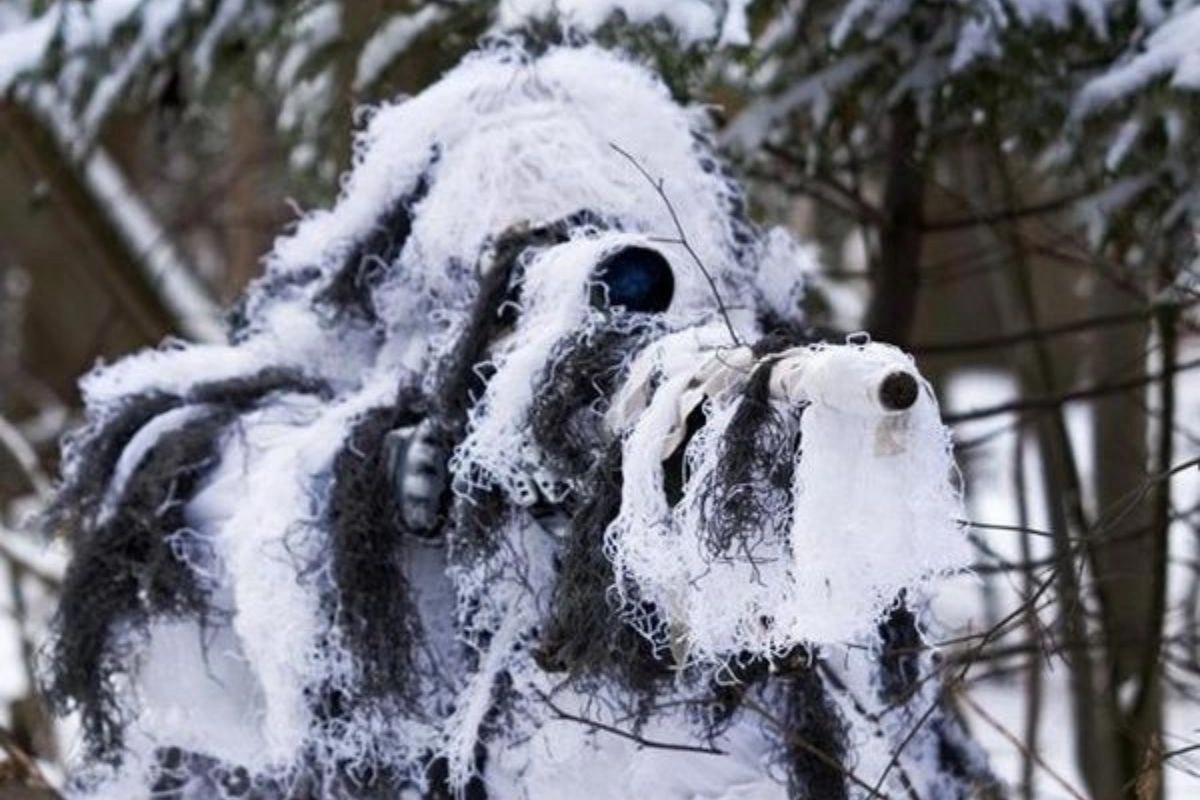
{"x": 1066, "y": 329}
{"x": 1033, "y": 756}
{"x": 25, "y": 457}
{"x": 600, "y": 726}
{"x": 988, "y": 218}
{"x": 683, "y": 240}
{"x": 1057, "y": 400}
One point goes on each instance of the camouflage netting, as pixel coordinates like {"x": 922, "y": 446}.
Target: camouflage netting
{"x": 502, "y": 489}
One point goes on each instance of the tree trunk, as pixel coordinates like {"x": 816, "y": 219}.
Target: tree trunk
{"x": 87, "y": 223}
{"x": 896, "y": 273}
{"x": 248, "y": 238}
{"x": 1128, "y": 545}
{"x": 360, "y": 19}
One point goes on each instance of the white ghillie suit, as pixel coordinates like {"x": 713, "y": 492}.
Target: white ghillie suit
{"x": 490, "y": 496}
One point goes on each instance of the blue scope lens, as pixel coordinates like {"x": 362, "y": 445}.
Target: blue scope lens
{"x": 637, "y": 279}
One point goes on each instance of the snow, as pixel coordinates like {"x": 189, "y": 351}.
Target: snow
{"x": 157, "y": 20}
{"x": 1058, "y": 13}
{"x": 856, "y": 12}
{"x": 17, "y": 449}
{"x": 1126, "y": 137}
{"x": 223, "y": 21}
{"x": 305, "y": 105}
{"x": 22, "y": 47}
{"x": 13, "y": 14}
{"x": 1168, "y": 52}
{"x": 315, "y": 29}
{"x": 80, "y": 26}
{"x": 693, "y": 20}
{"x": 814, "y": 94}
{"x": 1095, "y": 211}
{"x": 47, "y": 562}
{"x": 391, "y": 39}
{"x": 977, "y": 40}
{"x": 85, "y": 26}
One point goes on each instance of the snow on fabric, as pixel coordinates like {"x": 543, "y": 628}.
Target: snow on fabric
{"x": 515, "y": 480}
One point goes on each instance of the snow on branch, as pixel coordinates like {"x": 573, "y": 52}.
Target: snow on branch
{"x": 1169, "y": 52}
{"x": 692, "y": 20}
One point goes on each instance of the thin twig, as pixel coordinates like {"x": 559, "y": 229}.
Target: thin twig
{"x": 1033, "y": 692}
{"x": 1182, "y": 751}
{"x": 14, "y": 553}
{"x": 894, "y": 761}
{"x": 1007, "y": 734}
{"x": 1074, "y": 327}
{"x": 683, "y": 240}
{"x": 1058, "y": 400}
{"x": 813, "y": 750}
{"x": 23, "y": 453}
{"x": 30, "y": 773}
{"x": 633, "y": 737}
{"x": 988, "y": 218}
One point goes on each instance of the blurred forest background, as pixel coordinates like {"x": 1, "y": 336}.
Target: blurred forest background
{"x": 1007, "y": 188}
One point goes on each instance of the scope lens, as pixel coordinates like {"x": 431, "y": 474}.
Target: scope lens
{"x": 637, "y": 279}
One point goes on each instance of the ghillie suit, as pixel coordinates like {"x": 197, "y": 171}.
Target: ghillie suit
{"x": 519, "y": 478}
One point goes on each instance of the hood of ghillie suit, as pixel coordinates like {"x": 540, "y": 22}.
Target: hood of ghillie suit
{"x": 519, "y": 478}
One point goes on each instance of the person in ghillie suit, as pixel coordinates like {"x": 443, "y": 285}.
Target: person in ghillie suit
{"x": 520, "y": 476}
